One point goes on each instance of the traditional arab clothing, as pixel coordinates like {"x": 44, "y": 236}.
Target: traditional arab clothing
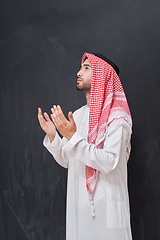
{"x": 96, "y": 157}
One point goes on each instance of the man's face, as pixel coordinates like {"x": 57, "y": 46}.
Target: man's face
{"x": 84, "y": 77}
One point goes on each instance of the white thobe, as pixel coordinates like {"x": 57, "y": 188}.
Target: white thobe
{"x": 112, "y": 220}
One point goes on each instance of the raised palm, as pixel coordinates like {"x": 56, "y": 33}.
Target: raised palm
{"x": 46, "y": 124}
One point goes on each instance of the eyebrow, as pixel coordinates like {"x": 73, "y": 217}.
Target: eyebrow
{"x": 86, "y": 65}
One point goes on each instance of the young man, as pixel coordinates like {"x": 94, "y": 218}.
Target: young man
{"x": 95, "y": 148}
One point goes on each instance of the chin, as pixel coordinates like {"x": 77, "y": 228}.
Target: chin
{"x": 78, "y": 88}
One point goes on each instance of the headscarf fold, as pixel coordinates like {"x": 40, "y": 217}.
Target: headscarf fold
{"x": 107, "y": 103}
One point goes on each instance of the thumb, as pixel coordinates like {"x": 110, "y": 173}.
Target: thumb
{"x": 70, "y": 116}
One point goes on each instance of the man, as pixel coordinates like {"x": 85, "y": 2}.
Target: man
{"x": 95, "y": 148}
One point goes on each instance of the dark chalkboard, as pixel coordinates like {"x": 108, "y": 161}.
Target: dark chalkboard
{"x": 41, "y": 44}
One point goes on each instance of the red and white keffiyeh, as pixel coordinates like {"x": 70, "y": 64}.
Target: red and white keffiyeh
{"x": 107, "y": 102}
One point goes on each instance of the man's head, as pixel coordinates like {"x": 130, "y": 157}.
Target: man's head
{"x": 85, "y": 73}
{"x": 84, "y": 77}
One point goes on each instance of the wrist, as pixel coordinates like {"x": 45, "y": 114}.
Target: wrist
{"x": 70, "y": 135}
{"x": 51, "y": 138}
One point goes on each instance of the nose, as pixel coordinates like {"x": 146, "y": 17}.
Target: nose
{"x": 79, "y": 73}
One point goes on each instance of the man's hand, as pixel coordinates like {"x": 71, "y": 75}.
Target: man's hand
{"x": 47, "y": 125}
{"x": 65, "y": 127}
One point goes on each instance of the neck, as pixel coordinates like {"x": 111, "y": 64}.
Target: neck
{"x": 88, "y": 99}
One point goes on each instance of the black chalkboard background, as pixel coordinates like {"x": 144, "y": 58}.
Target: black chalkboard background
{"x": 41, "y": 44}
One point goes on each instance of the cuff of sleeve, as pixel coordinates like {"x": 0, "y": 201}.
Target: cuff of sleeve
{"x": 72, "y": 142}
{"x": 47, "y": 143}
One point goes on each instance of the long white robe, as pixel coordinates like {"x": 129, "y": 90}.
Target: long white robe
{"x": 112, "y": 220}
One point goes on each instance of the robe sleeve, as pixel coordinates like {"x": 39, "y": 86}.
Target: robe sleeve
{"x": 55, "y": 148}
{"x": 105, "y": 160}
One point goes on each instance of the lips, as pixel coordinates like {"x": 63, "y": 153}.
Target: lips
{"x": 79, "y": 80}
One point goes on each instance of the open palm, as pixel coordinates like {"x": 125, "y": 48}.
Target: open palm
{"x": 46, "y": 124}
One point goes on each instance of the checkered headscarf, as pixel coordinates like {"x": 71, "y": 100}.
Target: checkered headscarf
{"x": 107, "y": 102}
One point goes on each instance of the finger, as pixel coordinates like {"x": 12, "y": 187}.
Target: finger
{"x": 58, "y": 118}
{"x": 53, "y": 108}
{"x": 54, "y": 111}
{"x": 70, "y": 116}
{"x": 53, "y": 117}
{"x": 39, "y": 110}
{"x": 46, "y": 117}
{"x": 39, "y": 114}
{"x": 57, "y": 114}
{"x": 60, "y": 114}
{"x": 41, "y": 119}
